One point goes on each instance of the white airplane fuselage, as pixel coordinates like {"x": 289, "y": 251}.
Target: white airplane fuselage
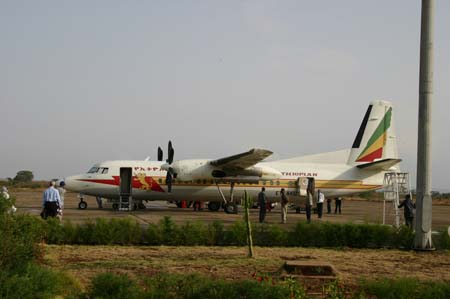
{"x": 358, "y": 169}
{"x": 149, "y": 181}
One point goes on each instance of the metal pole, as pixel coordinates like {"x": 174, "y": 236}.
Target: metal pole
{"x": 422, "y": 239}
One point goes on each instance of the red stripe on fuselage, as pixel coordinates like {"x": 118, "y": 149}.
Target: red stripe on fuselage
{"x": 143, "y": 183}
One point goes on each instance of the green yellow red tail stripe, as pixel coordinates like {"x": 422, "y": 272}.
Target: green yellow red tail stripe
{"x": 374, "y": 147}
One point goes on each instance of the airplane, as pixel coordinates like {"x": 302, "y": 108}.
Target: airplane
{"x": 222, "y": 182}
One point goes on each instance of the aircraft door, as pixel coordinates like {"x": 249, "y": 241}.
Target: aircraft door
{"x": 125, "y": 191}
{"x": 301, "y": 185}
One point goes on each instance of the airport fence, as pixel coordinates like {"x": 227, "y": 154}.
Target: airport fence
{"x": 127, "y": 231}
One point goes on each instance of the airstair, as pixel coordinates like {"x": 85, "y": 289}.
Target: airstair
{"x": 396, "y": 186}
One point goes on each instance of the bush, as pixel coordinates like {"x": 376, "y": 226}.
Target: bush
{"x": 193, "y": 234}
{"x": 215, "y": 233}
{"x": 111, "y": 286}
{"x": 102, "y": 231}
{"x": 197, "y": 286}
{"x": 403, "y": 238}
{"x": 237, "y": 234}
{"x": 167, "y": 232}
{"x": 269, "y": 235}
{"x": 117, "y": 231}
{"x": 35, "y": 282}
{"x": 405, "y": 288}
{"x": 19, "y": 242}
{"x": 442, "y": 240}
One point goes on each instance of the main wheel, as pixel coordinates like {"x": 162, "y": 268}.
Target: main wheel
{"x": 214, "y": 206}
{"x": 82, "y": 205}
{"x": 231, "y": 208}
{"x": 141, "y": 206}
{"x": 115, "y": 206}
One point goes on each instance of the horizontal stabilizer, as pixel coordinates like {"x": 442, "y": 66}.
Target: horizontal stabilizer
{"x": 385, "y": 164}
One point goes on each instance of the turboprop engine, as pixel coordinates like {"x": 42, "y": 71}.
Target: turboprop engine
{"x": 189, "y": 170}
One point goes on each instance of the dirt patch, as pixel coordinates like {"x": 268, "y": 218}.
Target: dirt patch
{"x": 231, "y": 263}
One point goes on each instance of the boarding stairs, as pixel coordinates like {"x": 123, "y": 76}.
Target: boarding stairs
{"x": 396, "y": 186}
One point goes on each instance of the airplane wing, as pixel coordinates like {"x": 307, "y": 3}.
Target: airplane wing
{"x": 243, "y": 160}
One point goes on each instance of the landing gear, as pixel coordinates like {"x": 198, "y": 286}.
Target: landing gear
{"x": 82, "y": 205}
{"x": 141, "y": 206}
{"x": 214, "y": 206}
{"x": 231, "y": 208}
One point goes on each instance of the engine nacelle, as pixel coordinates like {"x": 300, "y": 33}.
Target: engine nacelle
{"x": 189, "y": 170}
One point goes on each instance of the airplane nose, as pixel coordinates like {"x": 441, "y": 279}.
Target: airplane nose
{"x": 71, "y": 183}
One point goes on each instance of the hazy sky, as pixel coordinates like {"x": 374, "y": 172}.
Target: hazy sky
{"x": 87, "y": 81}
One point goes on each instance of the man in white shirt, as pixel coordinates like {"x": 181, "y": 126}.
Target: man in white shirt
{"x": 51, "y": 201}
{"x": 320, "y": 201}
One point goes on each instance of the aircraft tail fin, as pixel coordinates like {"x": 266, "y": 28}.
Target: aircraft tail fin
{"x": 375, "y": 140}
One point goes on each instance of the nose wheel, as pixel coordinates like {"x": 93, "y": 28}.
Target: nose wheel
{"x": 82, "y": 205}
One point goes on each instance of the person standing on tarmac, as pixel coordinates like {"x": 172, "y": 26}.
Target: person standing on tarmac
{"x": 284, "y": 206}
{"x": 329, "y": 205}
{"x": 61, "y": 191}
{"x": 408, "y": 210}
{"x": 262, "y": 205}
{"x": 308, "y": 204}
{"x": 320, "y": 200}
{"x": 338, "y": 204}
{"x": 51, "y": 201}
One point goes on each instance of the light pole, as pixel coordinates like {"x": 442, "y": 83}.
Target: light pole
{"x": 422, "y": 239}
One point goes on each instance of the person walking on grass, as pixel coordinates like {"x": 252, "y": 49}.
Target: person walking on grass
{"x": 284, "y": 206}
{"x": 51, "y": 201}
{"x": 262, "y": 205}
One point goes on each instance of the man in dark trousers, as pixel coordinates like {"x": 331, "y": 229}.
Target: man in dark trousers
{"x": 337, "y": 203}
{"x": 309, "y": 199}
{"x": 329, "y": 205}
{"x": 408, "y": 210}
{"x": 320, "y": 200}
{"x": 51, "y": 201}
{"x": 262, "y": 205}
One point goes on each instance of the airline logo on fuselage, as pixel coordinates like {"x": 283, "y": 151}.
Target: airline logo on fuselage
{"x": 300, "y": 174}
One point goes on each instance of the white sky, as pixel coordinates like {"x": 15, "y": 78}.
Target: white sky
{"x": 87, "y": 81}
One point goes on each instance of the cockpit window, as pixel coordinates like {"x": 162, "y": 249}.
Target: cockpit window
{"x": 93, "y": 170}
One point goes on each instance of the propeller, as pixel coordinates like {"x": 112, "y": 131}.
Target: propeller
{"x": 168, "y": 166}
{"x": 160, "y": 154}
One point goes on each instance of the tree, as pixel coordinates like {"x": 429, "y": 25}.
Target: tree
{"x": 23, "y": 176}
